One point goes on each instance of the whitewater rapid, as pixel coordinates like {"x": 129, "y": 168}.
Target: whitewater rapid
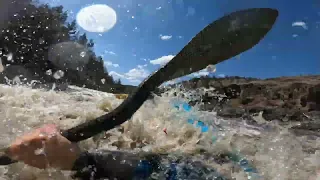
{"x": 274, "y": 151}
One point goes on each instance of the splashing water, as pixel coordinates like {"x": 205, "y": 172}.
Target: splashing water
{"x": 272, "y": 149}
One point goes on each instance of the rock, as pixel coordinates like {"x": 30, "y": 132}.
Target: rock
{"x": 231, "y": 112}
{"x": 312, "y": 125}
{"x": 284, "y": 98}
{"x": 274, "y": 114}
{"x": 247, "y": 100}
{"x": 314, "y": 97}
{"x": 121, "y": 96}
{"x": 232, "y": 91}
{"x": 207, "y": 107}
{"x": 313, "y": 115}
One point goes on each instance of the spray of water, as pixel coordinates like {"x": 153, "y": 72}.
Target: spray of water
{"x": 275, "y": 152}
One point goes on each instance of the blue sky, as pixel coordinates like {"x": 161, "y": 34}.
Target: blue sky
{"x": 148, "y": 30}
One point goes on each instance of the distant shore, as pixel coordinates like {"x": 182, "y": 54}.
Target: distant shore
{"x": 287, "y": 99}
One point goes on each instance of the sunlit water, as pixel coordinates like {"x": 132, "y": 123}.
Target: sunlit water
{"x": 274, "y": 151}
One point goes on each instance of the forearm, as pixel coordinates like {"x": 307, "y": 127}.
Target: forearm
{"x": 113, "y": 164}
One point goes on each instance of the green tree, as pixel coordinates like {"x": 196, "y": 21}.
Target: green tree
{"x": 30, "y": 33}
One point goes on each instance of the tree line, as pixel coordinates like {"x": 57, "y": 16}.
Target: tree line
{"x": 29, "y": 34}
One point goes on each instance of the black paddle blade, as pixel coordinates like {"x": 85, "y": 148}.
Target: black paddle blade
{"x": 221, "y": 40}
{"x": 225, "y": 38}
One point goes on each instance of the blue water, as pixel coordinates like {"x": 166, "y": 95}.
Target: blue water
{"x": 251, "y": 171}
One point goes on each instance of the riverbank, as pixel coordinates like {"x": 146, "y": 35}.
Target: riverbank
{"x": 286, "y": 99}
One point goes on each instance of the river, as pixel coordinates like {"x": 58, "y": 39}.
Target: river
{"x": 275, "y": 152}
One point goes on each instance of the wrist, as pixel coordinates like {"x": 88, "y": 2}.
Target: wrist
{"x": 71, "y": 159}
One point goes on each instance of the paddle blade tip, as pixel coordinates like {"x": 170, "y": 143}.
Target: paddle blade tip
{"x": 267, "y": 16}
{"x": 241, "y": 30}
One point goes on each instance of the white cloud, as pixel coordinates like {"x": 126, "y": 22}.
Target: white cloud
{"x": 205, "y": 72}
{"x": 222, "y": 75}
{"x": 110, "y": 52}
{"x": 158, "y": 8}
{"x": 301, "y": 24}
{"x": 141, "y": 66}
{"x": 109, "y": 63}
{"x": 115, "y": 74}
{"x": 173, "y": 81}
{"x": 162, "y": 60}
{"x": 200, "y": 73}
{"x": 135, "y": 75}
{"x": 165, "y": 37}
{"x": 191, "y": 11}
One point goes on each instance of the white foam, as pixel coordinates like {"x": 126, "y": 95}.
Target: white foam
{"x": 276, "y": 153}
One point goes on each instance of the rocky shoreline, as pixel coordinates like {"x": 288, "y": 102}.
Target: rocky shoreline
{"x": 286, "y": 99}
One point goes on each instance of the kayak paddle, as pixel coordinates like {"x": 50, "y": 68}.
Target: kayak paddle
{"x": 224, "y": 38}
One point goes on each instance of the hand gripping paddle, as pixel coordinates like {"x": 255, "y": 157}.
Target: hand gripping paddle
{"x": 224, "y": 38}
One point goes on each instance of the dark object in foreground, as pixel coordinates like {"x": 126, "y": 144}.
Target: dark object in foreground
{"x": 224, "y": 38}
{"x": 126, "y": 165}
